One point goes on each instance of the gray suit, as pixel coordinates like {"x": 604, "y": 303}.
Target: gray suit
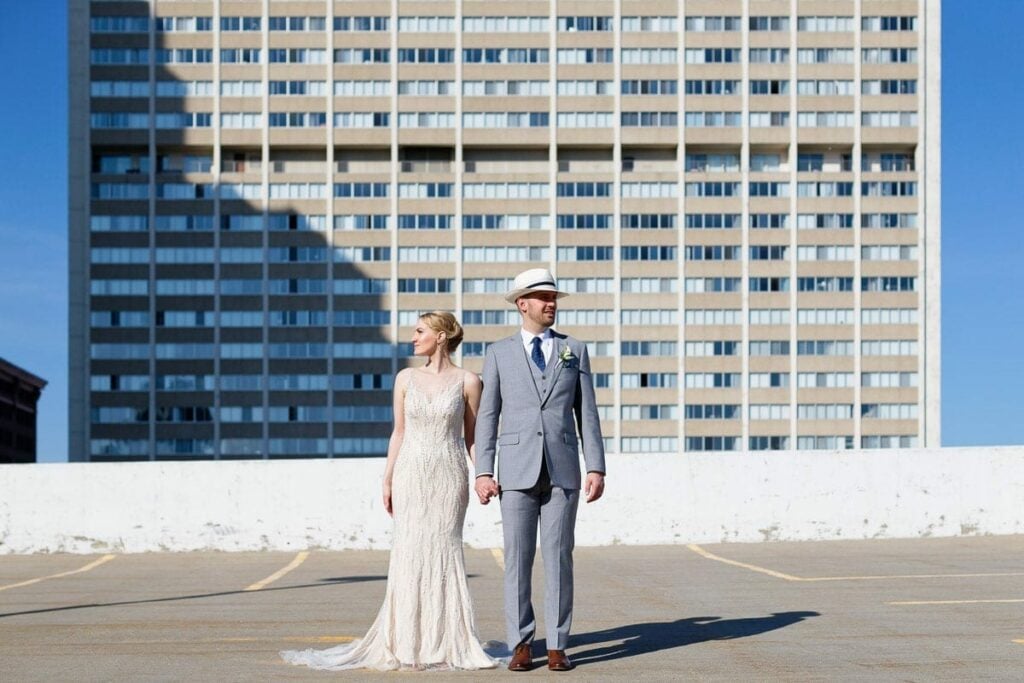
{"x": 538, "y": 448}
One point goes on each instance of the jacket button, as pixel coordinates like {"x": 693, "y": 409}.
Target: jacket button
{"x": 540, "y": 433}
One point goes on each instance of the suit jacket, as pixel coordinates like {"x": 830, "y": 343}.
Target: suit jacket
{"x": 533, "y": 425}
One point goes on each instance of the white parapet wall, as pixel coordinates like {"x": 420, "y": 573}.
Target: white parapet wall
{"x": 650, "y": 499}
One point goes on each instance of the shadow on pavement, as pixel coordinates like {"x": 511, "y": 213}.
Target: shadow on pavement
{"x": 321, "y": 583}
{"x": 640, "y": 639}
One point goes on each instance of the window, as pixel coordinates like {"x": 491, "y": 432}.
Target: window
{"x": 648, "y": 221}
{"x": 712, "y": 221}
{"x": 505, "y": 24}
{"x": 711, "y": 119}
{"x": 585, "y": 253}
{"x": 769, "y": 119}
{"x": 824, "y": 316}
{"x": 665, "y": 55}
{"x": 360, "y": 56}
{"x": 582, "y": 55}
{"x": 825, "y": 88}
{"x": 649, "y": 24}
{"x": 712, "y": 87}
{"x": 897, "y": 23}
{"x": 712, "y": 24}
{"x": 584, "y": 221}
{"x": 574, "y": 24}
{"x": 500, "y": 88}
{"x": 505, "y": 222}
{"x": 711, "y": 55}
{"x": 764, "y": 55}
{"x": 769, "y": 284}
{"x": 889, "y": 119}
{"x": 769, "y": 316}
{"x": 377, "y": 23}
{"x": 505, "y": 55}
{"x": 652, "y": 119}
{"x": 886, "y": 55}
{"x": 584, "y": 88}
{"x": 824, "y": 284}
{"x": 824, "y": 119}
{"x": 712, "y": 443}
{"x": 426, "y": 120}
{"x": 769, "y": 87}
{"x": 762, "y": 23}
{"x": 713, "y": 380}
{"x": 824, "y": 24}
{"x": 650, "y": 87}
{"x": 712, "y": 163}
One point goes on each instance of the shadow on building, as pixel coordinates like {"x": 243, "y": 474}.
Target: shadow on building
{"x": 265, "y": 330}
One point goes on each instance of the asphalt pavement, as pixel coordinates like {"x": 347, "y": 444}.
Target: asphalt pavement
{"x": 907, "y": 610}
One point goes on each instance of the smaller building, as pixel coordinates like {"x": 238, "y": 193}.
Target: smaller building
{"x": 19, "y": 395}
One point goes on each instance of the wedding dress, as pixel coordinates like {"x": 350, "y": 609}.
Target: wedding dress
{"x": 426, "y": 621}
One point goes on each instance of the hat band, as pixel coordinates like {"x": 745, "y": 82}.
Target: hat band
{"x": 538, "y": 284}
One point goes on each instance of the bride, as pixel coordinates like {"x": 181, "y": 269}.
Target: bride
{"x": 426, "y": 621}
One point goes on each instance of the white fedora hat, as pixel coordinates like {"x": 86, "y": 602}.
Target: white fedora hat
{"x": 533, "y": 280}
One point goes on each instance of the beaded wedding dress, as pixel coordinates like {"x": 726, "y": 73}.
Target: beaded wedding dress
{"x": 426, "y": 621}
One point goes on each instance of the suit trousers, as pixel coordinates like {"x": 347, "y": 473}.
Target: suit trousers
{"x": 553, "y": 510}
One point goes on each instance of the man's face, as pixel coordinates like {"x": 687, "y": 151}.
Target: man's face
{"x": 539, "y": 307}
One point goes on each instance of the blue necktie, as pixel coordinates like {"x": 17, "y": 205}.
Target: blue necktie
{"x": 537, "y": 355}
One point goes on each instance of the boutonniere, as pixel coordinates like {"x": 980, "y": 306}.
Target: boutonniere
{"x": 566, "y": 356}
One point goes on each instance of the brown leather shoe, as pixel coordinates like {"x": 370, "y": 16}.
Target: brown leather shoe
{"x": 557, "y": 661}
{"x": 522, "y": 658}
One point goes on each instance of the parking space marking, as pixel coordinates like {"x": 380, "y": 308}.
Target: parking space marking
{"x": 752, "y": 567}
{"x": 1019, "y": 642}
{"x": 91, "y": 565}
{"x": 810, "y": 579}
{"x": 954, "y": 602}
{"x": 296, "y": 561}
{"x": 499, "y": 556}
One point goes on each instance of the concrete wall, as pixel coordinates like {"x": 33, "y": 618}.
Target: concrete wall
{"x": 651, "y": 499}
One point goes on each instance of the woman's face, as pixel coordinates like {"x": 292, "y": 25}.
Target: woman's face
{"x": 424, "y": 339}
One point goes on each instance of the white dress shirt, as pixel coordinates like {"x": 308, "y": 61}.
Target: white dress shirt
{"x": 547, "y": 344}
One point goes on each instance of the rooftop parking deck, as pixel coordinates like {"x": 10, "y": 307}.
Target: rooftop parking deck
{"x": 926, "y": 609}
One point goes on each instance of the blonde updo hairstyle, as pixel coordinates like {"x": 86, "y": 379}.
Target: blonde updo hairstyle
{"x": 444, "y": 322}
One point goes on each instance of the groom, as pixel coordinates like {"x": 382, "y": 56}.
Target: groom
{"x": 538, "y": 390}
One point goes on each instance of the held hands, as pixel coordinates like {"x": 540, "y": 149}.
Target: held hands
{"x": 486, "y": 488}
{"x": 594, "y": 487}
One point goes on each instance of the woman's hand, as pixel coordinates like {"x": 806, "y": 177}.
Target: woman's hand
{"x": 387, "y": 498}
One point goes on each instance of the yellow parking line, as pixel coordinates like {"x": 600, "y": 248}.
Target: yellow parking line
{"x": 91, "y": 565}
{"x": 1021, "y": 641}
{"x": 870, "y": 577}
{"x": 299, "y": 559}
{"x": 499, "y": 556}
{"x": 909, "y": 576}
{"x": 954, "y": 602}
{"x": 752, "y": 567}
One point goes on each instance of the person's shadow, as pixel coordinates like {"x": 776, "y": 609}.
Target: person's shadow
{"x": 638, "y": 639}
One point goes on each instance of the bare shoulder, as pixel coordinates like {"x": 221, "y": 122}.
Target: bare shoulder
{"x": 471, "y": 381}
{"x": 402, "y": 378}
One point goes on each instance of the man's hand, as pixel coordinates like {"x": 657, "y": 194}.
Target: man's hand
{"x": 486, "y": 488}
{"x": 594, "y": 488}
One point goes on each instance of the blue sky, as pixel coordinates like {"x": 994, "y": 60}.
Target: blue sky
{"x": 982, "y": 252}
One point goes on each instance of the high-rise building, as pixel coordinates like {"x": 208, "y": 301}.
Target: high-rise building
{"x": 19, "y": 396}
{"x": 742, "y": 196}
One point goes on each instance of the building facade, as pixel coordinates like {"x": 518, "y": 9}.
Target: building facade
{"x": 741, "y": 195}
{"x": 19, "y": 396}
